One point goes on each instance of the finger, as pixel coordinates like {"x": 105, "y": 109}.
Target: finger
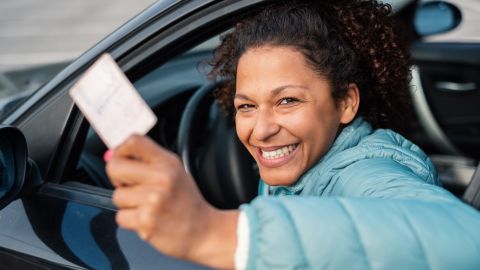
{"x": 128, "y": 218}
{"x": 142, "y": 148}
{"x": 135, "y": 197}
{"x": 141, "y": 220}
{"x": 127, "y": 172}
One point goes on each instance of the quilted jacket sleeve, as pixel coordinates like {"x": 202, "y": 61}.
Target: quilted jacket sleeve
{"x": 392, "y": 222}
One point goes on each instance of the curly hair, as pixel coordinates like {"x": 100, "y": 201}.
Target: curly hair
{"x": 345, "y": 41}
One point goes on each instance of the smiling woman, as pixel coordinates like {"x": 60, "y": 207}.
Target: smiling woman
{"x": 313, "y": 85}
{"x": 286, "y": 115}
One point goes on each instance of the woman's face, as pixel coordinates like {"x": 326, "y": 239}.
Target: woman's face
{"x": 286, "y": 116}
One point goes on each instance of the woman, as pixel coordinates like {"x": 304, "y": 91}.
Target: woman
{"x": 312, "y": 84}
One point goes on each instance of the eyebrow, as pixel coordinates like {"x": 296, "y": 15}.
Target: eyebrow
{"x": 275, "y": 92}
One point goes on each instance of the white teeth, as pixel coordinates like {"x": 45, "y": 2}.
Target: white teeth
{"x": 281, "y": 152}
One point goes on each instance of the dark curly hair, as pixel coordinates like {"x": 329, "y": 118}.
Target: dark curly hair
{"x": 343, "y": 40}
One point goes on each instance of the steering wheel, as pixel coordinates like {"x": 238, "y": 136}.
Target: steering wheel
{"x": 212, "y": 153}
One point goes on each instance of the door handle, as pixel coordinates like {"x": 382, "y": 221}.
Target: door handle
{"x": 455, "y": 87}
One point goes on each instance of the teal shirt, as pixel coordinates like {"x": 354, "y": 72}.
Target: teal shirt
{"x": 372, "y": 202}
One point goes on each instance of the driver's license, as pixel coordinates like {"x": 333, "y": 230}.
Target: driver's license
{"x": 111, "y": 104}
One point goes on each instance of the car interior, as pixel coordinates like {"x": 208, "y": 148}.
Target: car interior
{"x": 189, "y": 124}
{"x": 446, "y": 124}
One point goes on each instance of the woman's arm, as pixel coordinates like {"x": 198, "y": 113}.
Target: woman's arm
{"x": 160, "y": 201}
{"x": 157, "y": 199}
{"x": 377, "y": 214}
{"x": 362, "y": 233}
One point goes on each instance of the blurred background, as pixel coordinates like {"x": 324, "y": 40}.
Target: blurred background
{"x": 40, "y": 37}
{"x": 37, "y": 32}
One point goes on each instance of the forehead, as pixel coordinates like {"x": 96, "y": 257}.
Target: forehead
{"x": 269, "y": 67}
{"x": 273, "y": 55}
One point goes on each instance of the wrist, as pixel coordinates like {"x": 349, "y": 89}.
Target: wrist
{"x": 217, "y": 239}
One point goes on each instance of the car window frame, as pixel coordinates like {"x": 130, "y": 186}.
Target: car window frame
{"x": 138, "y": 62}
{"x": 132, "y": 52}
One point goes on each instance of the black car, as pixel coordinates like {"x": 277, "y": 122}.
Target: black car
{"x": 56, "y": 203}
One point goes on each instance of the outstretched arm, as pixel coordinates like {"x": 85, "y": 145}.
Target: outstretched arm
{"x": 361, "y": 233}
{"x": 157, "y": 199}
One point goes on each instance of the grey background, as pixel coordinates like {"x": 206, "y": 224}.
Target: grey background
{"x": 36, "y": 32}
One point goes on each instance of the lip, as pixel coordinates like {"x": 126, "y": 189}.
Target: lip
{"x": 273, "y": 163}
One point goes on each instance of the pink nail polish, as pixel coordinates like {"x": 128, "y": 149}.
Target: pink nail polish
{"x": 108, "y": 155}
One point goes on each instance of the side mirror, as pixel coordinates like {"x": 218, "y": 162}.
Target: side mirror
{"x": 13, "y": 163}
{"x": 436, "y": 17}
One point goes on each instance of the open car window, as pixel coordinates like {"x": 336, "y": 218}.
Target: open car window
{"x": 166, "y": 89}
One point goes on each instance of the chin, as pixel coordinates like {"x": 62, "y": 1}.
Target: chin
{"x": 278, "y": 179}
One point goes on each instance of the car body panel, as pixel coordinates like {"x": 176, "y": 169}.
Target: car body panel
{"x": 57, "y": 227}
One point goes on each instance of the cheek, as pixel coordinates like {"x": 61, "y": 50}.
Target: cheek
{"x": 316, "y": 128}
{"x": 299, "y": 123}
{"x": 243, "y": 129}
{"x": 323, "y": 135}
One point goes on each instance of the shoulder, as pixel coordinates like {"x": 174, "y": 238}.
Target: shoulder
{"x": 385, "y": 144}
{"x": 380, "y": 164}
{"x": 384, "y": 147}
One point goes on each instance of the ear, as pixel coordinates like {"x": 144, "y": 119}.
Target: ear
{"x": 349, "y": 104}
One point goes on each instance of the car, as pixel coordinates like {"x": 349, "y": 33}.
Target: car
{"x": 56, "y": 207}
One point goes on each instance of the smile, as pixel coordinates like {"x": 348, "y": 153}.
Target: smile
{"x": 279, "y": 153}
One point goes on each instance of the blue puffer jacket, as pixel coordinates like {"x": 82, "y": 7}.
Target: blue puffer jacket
{"x": 372, "y": 202}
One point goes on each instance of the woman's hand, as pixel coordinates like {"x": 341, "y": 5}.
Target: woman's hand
{"x": 157, "y": 199}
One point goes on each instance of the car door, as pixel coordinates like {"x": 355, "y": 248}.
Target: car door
{"x": 446, "y": 95}
{"x": 59, "y": 222}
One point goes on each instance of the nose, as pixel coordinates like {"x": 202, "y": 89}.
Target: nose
{"x": 266, "y": 126}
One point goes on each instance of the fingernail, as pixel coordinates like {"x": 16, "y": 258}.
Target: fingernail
{"x": 108, "y": 155}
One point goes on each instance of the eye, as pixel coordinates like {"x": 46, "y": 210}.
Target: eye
{"x": 245, "y": 107}
{"x": 288, "y": 101}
